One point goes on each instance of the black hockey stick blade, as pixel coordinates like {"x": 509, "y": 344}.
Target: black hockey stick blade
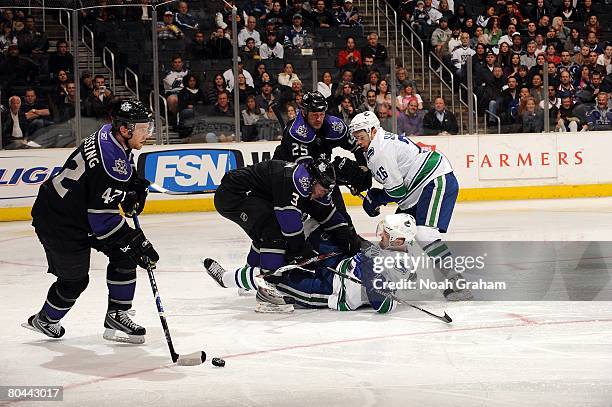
{"x": 446, "y": 318}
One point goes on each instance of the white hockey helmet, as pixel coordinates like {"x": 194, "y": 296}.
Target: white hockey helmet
{"x": 398, "y": 226}
{"x": 364, "y": 121}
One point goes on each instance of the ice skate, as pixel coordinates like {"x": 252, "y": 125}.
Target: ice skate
{"x": 40, "y": 323}
{"x": 215, "y": 270}
{"x": 270, "y": 300}
{"x": 120, "y": 328}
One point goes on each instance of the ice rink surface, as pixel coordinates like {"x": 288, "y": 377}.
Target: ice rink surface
{"x": 493, "y": 354}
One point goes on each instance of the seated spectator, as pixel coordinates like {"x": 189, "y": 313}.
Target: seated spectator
{"x": 553, "y": 100}
{"x": 185, "y": 21}
{"x": 287, "y": 76}
{"x": 551, "y": 54}
{"x": 223, "y": 107}
{"x": 573, "y": 43}
{"x": 223, "y": 18}
{"x": 363, "y": 72}
{"x": 383, "y": 93}
{"x": 244, "y": 90}
{"x": 440, "y": 121}
{"x": 219, "y": 44}
{"x": 460, "y": 55}
{"x": 295, "y": 37}
{"x": 372, "y": 84}
{"x": 529, "y": 58}
{"x": 384, "y": 116}
{"x": 440, "y": 37}
{"x": 324, "y": 86}
{"x": 345, "y": 110}
{"x": 59, "y": 90}
{"x": 484, "y": 73}
{"x": 351, "y": 91}
{"x": 593, "y": 43}
{"x": 167, "y": 30}
{"x": 229, "y": 76}
{"x": 61, "y": 59}
{"x": 565, "y": 85}
{"x": 408, "y": 94}
{"x": 566, "y": 119}
{"x": 31, "y": 41}
{"x": 98, "y": 103}
{"x": 600, "y": 118}
{"x": 349, "y": 57}
{"x": 369, "y": 105}
{"x": 604, "y": 61}
{"x": 537, "y": 90}
{"x": 36, "y": 111}
{"x": 412, "y": 125}
{"x": 562, "y": 32}
{"x": 19, "y": 69}
{"x": 86, "y": 83}
{"x": 401, "y": 74}
{"x": 489, "y": 91}
{"x": 291, "y": 94}
{"x": 275, "y": 18}
{"x": 250, "y": 116}
{"x": 14, "y": 126}
{"x": 256, "y": 9}
{"x": 532, "y": 119}
{"x": 198, "y": 49}
{"x": 249, "y": 32}
{"x": 249, "y": 51}
{"x": 567, "y": 12}
{"x": 374, "y": 49}
{"x": 266, "y": 96}
{"x": 271, "y": 49}
{"x": 321, "y": 17}
{"x": 347, "y": 15}
{"x": 268, "y": 127}
{"x": 218, "y": 85}
{"x": 188, "y": 98}
{"x": 7, "y": 38}
{"x": 173, "y": 83}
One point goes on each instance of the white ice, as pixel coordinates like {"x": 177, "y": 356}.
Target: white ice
{"x": 494, "y": 354}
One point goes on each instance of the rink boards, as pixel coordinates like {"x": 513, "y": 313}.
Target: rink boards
{"x": 488, "y": 167}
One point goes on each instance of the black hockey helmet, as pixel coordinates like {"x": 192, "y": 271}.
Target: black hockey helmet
{"x": 128, "y": 112}
{"x": 323, "y": 172}
{"x": 313, "y": 102}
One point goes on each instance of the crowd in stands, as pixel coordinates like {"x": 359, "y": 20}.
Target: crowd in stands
{"x": 512, "y": 44}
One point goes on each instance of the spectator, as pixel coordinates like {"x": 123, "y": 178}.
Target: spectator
{"x": 287, "y": 76}
{"x": 20, "y": 70}
{"x": 219, "y": 45}
{"x": 460, "y": 16}
{"x": 61, "y": 60}
{"x": 36, "y": 112}
{"x": 507, "y": 38}
{"x": 370, "y": 102}
{"x": 7, "y": 38}
{"x": 346, "y": 110}
{"x": 455, "y": 39}
{"x": 529, "y": 58}
{"x": 573, "y": 43}
{"x": 223, "y": 18}
{"x": 384, "y": 116}
{"x": 460, "y": 54}
{"x": 539, "y": 11}
{"x": 188, "y": 98}
{"x": 14, "y": 126}
{"x": 185, "y": 21}
{"x": 566, "y": 119}
{"x": 483, "y": 19}
{"x": 249, "y": 32}
{"x": 440, "y": 121}
{"x": 537, "y": 91}
{"x": 508, "y": 102}
{"x": 250, "y": 116}
{"x": 32, "y": 42}
{"x": 505, "y": 55}
{"x": 484, "y": 73}
{"x": 271, "y": 49}
{"x": 275, "y": 17}
{"x": 99, "y": 101}
{"x": 493, "y": 31}
{"x": 372, "y": 84}
{"x": 167, "y": 30}
{"x": 600, "y": 118}
{"x": 402, "y": 79}
{"x": 374, "y": 49}
{"x": 223, "y": 107}
{"x": 249, "y": 52}
{"x": 407, "y": 95}
{"x": 565, "y": 85}
{"x": 266, "y": 96}
{"x": 517, "y": 44}
{"x": 553, "y": 100}
{"x": 562, "y": 32}
{"x": 604, "y": 61}
{"x": 321, "y": 17}
{"x": 244, "y": 90}
{"x": 383, "y": 93}
{"x": 291, "y": 94}
{"x": 543, "y": 25}
{"x": 173, "y": 83}
{"x": 256, "y": 9}
{"x": 218, "y": 85}
{"x": 551, "y": 54}
{"x": 593, "y": 43}
{"x": 441, "y": 36}
{"x": 349, "y": 57}
{"x": 325, "y": 85}
{"x": 347, "y": 15}
{"x": 198, "y": 49}
{"x": 490, "y": 91}
{"x": 567, "y": 12}
{"x": 414, "y": 120}
{"x": 532, "y": 119}
{"x": 295, "y": 38}
{"x": 290, "y": 112}
{"x": 296, "y": 7}
{"x": 59, "y": 91}
{"x": 229, "y": 76}
{"x": 538, "y": 68}
{"x": 585, "y": 10}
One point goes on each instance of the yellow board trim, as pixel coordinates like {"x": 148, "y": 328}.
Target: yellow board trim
{"x": 469, "y": 194}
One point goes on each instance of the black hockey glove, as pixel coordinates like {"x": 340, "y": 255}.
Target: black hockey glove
{"x": 134, "y": 201}
{"x": 346, "y": 239}
{"x": 350, "y": 173}
{"x": 138, "y": 247}
{"x": 305, "y": 253}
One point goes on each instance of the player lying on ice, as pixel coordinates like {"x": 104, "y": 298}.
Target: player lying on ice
{"x": 422, "y": 184}
{"x": 322, "y": 287}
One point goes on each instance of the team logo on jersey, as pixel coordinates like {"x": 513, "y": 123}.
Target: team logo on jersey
{"x": 304, "y": 183}
{"x": 120, "y": 166}
{"x": 244, "y": 217}
{"x": 126, "y": 106}
{"x": 338, "y": 127}
{"x": 302, "y": 131}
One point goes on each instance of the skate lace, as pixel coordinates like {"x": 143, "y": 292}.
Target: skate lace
{"x": 216, "y": 270}
{"x": 55, "y": 328}
{"x": 124, "y": 318}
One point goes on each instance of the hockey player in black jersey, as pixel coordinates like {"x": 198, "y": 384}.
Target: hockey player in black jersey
{"x": 313, "y": 134}
{"x": 78, "y": 209}
{"x": 268, "y": 199}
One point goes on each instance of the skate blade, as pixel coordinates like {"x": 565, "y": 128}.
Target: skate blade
{"x": 245, "y": 293}
{"x": 114, "y": 335}
{"x": 31, "y": 328}
{"x": 268, "y": 308}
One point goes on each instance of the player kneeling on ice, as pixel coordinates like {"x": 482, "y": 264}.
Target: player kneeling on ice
{"x": 267, "y": 200}
{"x": 323, "y": 287}
{"x": 78, "y": 209}
{"x": 420, "y": 181}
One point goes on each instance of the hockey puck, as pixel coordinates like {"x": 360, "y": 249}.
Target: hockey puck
{"x": 218, "y": 362}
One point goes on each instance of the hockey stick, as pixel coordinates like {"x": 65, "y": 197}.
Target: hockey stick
{"x": 191, "y": 359}
{"x": 306, "y": 262}
{"x": 444, "y": 318}
{"x": 159, "y": 188}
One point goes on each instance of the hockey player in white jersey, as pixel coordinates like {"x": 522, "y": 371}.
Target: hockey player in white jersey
{"x": 322, "y": 288}
{"x": 421, "y": 182}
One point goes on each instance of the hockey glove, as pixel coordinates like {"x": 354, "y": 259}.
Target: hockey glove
{"x": 134, "y": 201}
{"x": 374, "y": 199}
{"x": 305, "y": 253}
{"x": 139, "y": 249}
{"x": 350, "y": 173}
{"x": 347, "y": 240}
